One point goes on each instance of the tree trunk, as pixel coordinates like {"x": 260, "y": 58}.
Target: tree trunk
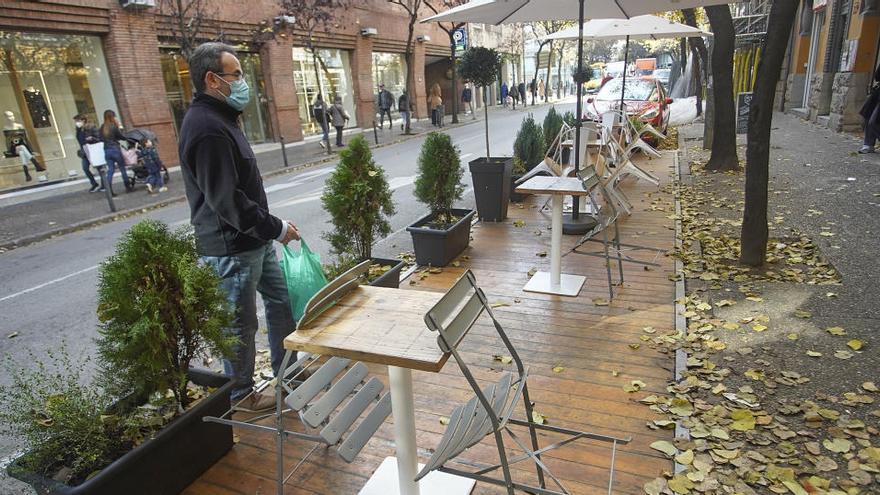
{"x": 754, "y": 233}
{"x": 486, "y": 114}
{"x": 533, "y": 88}
{"x": 549, "y": 65}
{"x": 410, "y": 94}
{"x": 559, "y": 84}
{"x": 724, "y": 109}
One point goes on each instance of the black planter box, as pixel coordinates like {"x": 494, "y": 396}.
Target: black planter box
{"x": 491, "y": 179}
{"x": 166, "y": 464}
{"x": 438, "y": 247}
{"x": 516, "y": 197}
{"x": 391, "y": 278}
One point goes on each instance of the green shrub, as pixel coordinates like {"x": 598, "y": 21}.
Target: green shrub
{"x": 529, "y": 146}
{"x": 359, "y": 201}
{"x": 552, "y": 125}
{"x": 569, "y": 119}
{"x": 438, "y": 183}
{"x": 60, "y": 418}
{"x": 159, "y": 309}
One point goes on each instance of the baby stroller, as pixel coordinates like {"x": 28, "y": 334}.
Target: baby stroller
{"x": 139, "y": 173}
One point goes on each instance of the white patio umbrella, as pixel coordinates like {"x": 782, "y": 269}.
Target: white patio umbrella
{"x": 639, "y": 27}
{"x": 512, "y": 11}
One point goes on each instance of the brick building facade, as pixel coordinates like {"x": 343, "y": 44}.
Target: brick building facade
{"x": 94, "y": 55}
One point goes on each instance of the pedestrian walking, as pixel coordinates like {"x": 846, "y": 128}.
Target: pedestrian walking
{"x": 522, "y": 93}
{"x": 404, "y": 106}
{"x": 871, "y": 112}
{"x": 514, "y": 95}
{"x": 504, "y": 92}
{"x": 112, "y": 135}
{"x": 467, "y": 100}
{"x": 147, "y": 152}
{"x": 234, "y": 230}
{"x": 339, "y": 117}
{"x": 386, "y": 102}
{"x": 319, "y": 112}
{"x": 435, "y": 102}
{"x": 87, "y": 133}
{"x": 541, "y": 90}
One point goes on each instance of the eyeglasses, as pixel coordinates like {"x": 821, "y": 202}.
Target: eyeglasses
{"x": 238, "y": 74}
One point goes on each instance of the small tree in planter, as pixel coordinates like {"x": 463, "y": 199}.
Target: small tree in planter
{"x": 491, "y": 175}
{"x": 528, "y": 151}
{"x": 359, "y": 201}
{"x": 444, "y": 232}
{"x": 159, "y": 309}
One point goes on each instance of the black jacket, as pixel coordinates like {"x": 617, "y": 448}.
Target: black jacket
{"x": 228, "y": 206}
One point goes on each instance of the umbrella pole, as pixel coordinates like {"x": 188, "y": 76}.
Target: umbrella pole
{"x": 623, "y": 86}
{"x": 575, "y": 203}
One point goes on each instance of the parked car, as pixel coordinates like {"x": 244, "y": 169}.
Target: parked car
{"x": 662, "y": 75}
{"x": 644, "y": 98}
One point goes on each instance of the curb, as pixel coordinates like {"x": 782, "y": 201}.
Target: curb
{"x": 680, "y": 291}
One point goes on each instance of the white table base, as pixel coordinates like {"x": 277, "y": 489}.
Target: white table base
{"x": 554, "y": 281}
{"x": 384, "y": 482}
{"x": 569, "y": 285}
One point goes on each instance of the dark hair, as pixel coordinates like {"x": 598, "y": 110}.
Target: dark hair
{"x": 206, "y": 58}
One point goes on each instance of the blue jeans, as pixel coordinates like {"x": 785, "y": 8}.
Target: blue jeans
{"x": 155, "y": 178}
{"x": 405, "y": 115}
{"x": 114, "y": 160}
{"x": 87, "y": 169}
{"x": 242, "y": 276}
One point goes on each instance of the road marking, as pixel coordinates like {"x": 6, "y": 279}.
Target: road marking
{"x": 46, "y": 284}
{"x": 466, "y": 155}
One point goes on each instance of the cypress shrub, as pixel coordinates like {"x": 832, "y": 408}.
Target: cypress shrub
{"x": 438, "y": 183}
{"x": 529, "y": 146}
{"x": 359, "y": 201}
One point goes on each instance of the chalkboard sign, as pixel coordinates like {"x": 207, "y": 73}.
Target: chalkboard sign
{"x": 743, "y": 101}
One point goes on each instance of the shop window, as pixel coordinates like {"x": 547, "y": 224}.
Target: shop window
{"x": 389, "y": 69}
{"x": 328, "y": 71}
{"x": 179, "y": 92}
{"x": 46, "y": 79}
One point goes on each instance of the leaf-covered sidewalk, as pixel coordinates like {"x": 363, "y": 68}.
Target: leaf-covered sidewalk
{"x": 780, "y": 394}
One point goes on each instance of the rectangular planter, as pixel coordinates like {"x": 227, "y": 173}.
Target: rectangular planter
{"x": 491, "y": 178}
{"x": 391, "y": 278}
{"x": 439, "y": 247}
{"x": 165, "y": 464}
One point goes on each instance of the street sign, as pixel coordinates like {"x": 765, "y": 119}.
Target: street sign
{"x": 460, "y": 39}
{"x": 743, "y": 101}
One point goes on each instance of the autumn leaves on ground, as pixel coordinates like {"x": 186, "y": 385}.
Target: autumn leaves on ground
{"x": 774, "y": 399}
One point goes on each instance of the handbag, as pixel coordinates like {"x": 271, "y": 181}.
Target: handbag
{"x": 130, "y": 156}
{"x": 95, "y": 154}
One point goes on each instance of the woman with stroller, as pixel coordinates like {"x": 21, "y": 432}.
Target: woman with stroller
{"x": 112, "y": 135}
{"x": 147, "y": 152}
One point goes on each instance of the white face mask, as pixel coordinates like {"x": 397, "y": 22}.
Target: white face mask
{"x": 79, "y": 124}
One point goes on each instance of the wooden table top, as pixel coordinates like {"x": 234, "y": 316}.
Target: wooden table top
{"x": 569, "y": 186}
{"x": 375, "y": 325}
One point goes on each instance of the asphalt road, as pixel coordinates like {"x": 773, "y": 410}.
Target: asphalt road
{"x": 47, "y": 290}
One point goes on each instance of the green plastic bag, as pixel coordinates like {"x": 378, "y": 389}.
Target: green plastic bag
{"x": 304, "y": 276}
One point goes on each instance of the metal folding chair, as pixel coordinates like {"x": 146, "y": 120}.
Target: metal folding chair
{"x": 318, "y": 399}
{"x": 490, "y": 411}
{"x": 607, "y": 217}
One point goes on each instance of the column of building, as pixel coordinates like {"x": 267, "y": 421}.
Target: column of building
{"x": 277, "y": 56}
{"x": 132, "y": 52}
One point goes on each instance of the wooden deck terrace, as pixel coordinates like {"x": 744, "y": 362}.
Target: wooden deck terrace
{"x": 591, "y": 342}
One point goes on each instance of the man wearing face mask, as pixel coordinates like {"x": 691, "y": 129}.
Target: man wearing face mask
{"x": 230, "y": 214}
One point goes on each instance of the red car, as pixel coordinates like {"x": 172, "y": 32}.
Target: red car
{"x": 644, "y": 98}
